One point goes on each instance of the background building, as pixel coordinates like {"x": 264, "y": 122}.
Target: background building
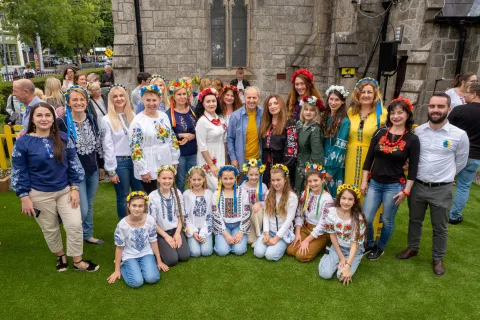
{"x": 272, "y": 38}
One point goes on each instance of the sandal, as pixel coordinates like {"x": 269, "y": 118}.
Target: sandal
{"x": 92, "y": 267}
{"x": 61, "y": 266}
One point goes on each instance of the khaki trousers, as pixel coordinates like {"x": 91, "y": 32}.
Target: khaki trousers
{"x": 315, "y": 247}
{"x": 52, "y": 204}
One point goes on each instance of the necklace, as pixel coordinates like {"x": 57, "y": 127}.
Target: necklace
{"x": 168, "y": 204}
{"x": 388, "y": 146}
{"x": 215, "y": 122}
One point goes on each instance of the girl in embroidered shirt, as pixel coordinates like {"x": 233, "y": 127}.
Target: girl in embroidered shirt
{"x": 198, "y": 213}
{"x": 310, "y": 235}
{"x": 231, "y": 220}
{"x": 346, "y": 224}
{"x": 166, "y": 206}
{"x": 255, "y": 191}
{"x": 280, "y": 206}
{"x": 137, "y": 258}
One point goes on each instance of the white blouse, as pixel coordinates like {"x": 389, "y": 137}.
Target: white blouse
{"x": 343, "y": 229}
{"x": 198, "y": 213}
{"x": 136, "y": 241}
{"x": 165, "y": 210}
{"x": 455, "y": 99}
{"x": 115, "y": 143}
{"x": 152, "y": 144}
{"x": 224, "y": 212}
{"x": 315, "y": 212}
{"x": 252, "y": 196}
{"x": 282, "y": 227}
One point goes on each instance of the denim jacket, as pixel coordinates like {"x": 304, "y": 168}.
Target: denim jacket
{"x": 237, "y": 131}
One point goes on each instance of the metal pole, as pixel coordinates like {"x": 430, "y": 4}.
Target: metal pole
{"x": 39, "y": 53}
{"x": 138, "y": 23}
{"x": 5, "y": 61}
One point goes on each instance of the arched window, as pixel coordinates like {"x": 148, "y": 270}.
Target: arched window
{"x": 239, "y": 34}
{"x": 218, "y": 35}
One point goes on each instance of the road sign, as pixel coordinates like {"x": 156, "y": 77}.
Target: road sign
{"x": 348, "y": 72}
{"x": 109, "y": 52}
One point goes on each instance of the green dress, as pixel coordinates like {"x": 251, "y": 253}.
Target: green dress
{"x": 310, "y": 149}
{"x": 335, "y": 149}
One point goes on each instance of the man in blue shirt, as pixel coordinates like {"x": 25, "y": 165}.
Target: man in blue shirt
{"x": 24, "y": 91}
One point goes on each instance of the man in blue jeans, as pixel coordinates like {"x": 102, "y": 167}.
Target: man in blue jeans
{"x": 467, "y": 118}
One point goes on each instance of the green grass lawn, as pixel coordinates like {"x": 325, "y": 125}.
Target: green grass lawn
{"x": 236, "y": 287}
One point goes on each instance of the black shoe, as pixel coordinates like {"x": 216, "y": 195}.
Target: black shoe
{"x": 375, "y": 254}
{"x": 92, "y": 267}
{"x": 369, "y": 249}
{"x": 455, "y": 221}
{"x": 61, "y": 266}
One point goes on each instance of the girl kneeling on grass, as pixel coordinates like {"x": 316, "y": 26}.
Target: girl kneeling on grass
{"x": 280, "y": 207}
{"x": 310, "y": 235}
{"x": 198, "y": 213}
{"x": 166, "y": 206}
{"x": 136, "y": 257}
{"x": 255, "y": 191}
{"x": 346, "y": 224}
{"x": 231, "y": 220}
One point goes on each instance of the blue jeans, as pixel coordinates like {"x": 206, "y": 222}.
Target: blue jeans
{"x": 222, "y": 248}
{"x": 88, "y": 190}
{"x": 329, "y": 263}
{"x": 464, "y": 179}
{"x": 198, "y": 249}
{"x": 272, "y": 253}
{"x": 381, "y": 193}
{"x": 127, "y": 180}
{"x": 185, "y": 163}
{"x": 136, "y": 271}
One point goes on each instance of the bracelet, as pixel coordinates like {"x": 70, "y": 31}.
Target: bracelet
{"x": 406, "y": 193}
{"x": 74, "y": 188}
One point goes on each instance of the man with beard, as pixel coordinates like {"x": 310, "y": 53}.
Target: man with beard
{"x": 443, "y": 153}
{"x": 467, "y": 117}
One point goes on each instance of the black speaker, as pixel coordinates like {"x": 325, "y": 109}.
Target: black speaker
{"x": 388, "y": 56}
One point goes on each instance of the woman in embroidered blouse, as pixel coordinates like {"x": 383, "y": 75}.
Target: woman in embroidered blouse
{"x": 279, "y": 136}
{"x": 116, "y": 148}
{"x": 230, "y": 101}
{"x": 366, "y": 115}
{"x": 385, "y": 160}
{"x": 303, "y": 85}
{"x": 152, "y": 140}
{"x": 82, "y": 129}
{"x": 335, "y": 126}
{"x": 183, "y": 122}
{"x": 46, "y": 173}
{"x": 310, "y": 147}
{"x": 210, "y": 132}
{"x": 159, "y": 81}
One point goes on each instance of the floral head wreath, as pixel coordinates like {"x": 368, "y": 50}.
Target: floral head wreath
{"x": 77, "y": 87}
{"x": 195, "y": 80}
{"x": 206, "y": 92}
{"x": 304, "y": 72}
{"x": 68, "y": 113}
{"x": 313, "y": 101}
{"x": 196, "y": 168}
{"x": 253, "y": 163}
{"x": 229, "y": 87}
{"x": 155, "y": 76}
{"x": 179, "y": 83}
{"x": 282, "y": 167}
{"x": 228, "y": 168}
{"x": 150, "y": 88}
{"x": 349, "y": 187}
{"x": 409, "y": 104}
{"x": 315, "y": 167}
{"x": 138, "y": 193}
{"x": 165, "y": 168}
{"x": 306, "y": 193}
{"x": 340, "y": 89}
{"x": 117, "y": 85}
{"x": 368, "y": 79}
{"x": 220, "y": 191}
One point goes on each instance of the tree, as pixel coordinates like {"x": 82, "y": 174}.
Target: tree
{"x": 106, "y": 32}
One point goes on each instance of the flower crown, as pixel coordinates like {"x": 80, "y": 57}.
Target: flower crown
{"x": 304, "y": 72}
{"x": 206, "y": 92}
{"x": 253, "y": 163}
{"x": 138, "y": 193}
{"x": 229, "y": 87}
{"x": 313, "y": 101}
{"x": 228, "y": 168}
{"x": 349, "y": 187}
{"x": 155, "y": 76}
{"x": 282, "y": 167}
{"x": 196, "y": 168}
{"x": 165, "y": 168}
{"x": 409, "y": 104}
{"x": 179, "y": 83}
{"x": 150, "y": 88}
{"x": 117, "y": 85}
{"x": 69, "y": 91}
{"x": 315, "y": 167}
{"x": 368, "y": 79}
{"x": 195, "y": 80}
{"x": 340, "y": 89}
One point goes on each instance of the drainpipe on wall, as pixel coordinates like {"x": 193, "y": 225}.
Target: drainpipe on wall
{"x": 138, "y": 23}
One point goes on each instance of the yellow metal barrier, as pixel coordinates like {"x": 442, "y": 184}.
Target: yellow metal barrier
{"x": 7, "y": 138}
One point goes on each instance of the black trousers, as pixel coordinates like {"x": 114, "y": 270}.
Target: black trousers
{"x": 171, "y": 256}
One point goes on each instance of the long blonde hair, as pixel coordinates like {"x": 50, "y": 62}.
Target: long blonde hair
{"x": 355, "y": 105}
{"x": 271, "y": 207}
{"x": 113, "y": 115}
{"x": 53, "y": 89}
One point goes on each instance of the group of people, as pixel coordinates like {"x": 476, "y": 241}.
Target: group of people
{"x": 290, "y": 177}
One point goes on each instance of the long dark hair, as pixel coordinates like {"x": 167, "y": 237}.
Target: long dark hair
{"x": 404, "y": 106}
{"x": 332, "y": 130}
{"x": 65, "y": 73}
{"x": 200, "y": 109}
{"x": 355, "y": 212}
{"x": 58, "y": 144}
{"x": 459, "y": 78}
{"x": 266, "y": 121}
